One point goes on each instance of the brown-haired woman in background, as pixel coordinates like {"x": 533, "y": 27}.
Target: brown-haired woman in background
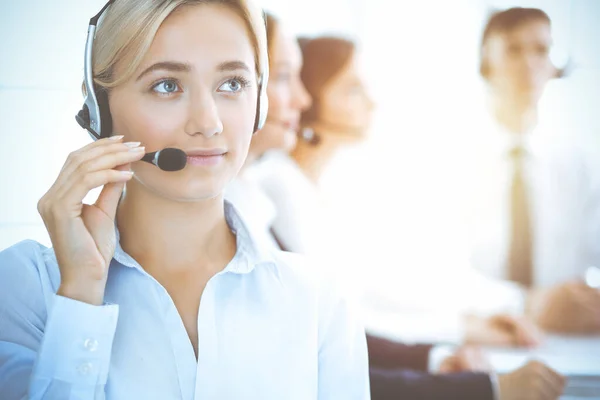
{"x": 341, "y": 109}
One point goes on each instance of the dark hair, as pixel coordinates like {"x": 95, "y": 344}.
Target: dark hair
{"x": 507, "y": 21}
{"x": 324, "y": 57}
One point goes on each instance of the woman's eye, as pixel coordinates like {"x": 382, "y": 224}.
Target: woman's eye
{"x": 233, "y": 85}
{"x": 166, "y": 87}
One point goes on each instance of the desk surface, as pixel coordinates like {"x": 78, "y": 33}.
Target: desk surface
{"x": 568, "y": 355}
{"x": 576, "y": 357}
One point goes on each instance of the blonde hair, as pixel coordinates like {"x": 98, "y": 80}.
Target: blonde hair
{"x": 128, "y": 28}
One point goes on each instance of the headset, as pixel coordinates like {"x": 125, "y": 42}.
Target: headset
{"x": 95, "y": 116}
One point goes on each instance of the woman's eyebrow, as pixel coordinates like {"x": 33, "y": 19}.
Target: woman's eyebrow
{"x": 166, "y": 66}
{"x": 229, "y": 66}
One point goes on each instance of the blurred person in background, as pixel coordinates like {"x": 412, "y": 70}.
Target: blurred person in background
{"x": 531, "y": 195}
{"x": 276, "y": 217}
{"x": 342, "y": 108}
{"x": 398, "y": 370}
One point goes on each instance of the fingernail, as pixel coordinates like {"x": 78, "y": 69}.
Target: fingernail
{"x": 117, "y": 137}
{"x": 127, "y": 173}
{"x": 132, "y": 144}
{"x": 137, "y": 149}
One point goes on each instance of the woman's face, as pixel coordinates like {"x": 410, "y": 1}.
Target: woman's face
{"x": 196, "y": 89}
{"x": 345, "y": 101}
{"x": 287, "y": 96}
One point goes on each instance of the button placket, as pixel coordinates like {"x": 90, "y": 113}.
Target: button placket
{"x": 85, "y": 368}
{"x": 91, "y": 345}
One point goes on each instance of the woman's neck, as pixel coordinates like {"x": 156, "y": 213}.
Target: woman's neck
{"x": 314, "y": 158}
{"x": 161, "y": 233}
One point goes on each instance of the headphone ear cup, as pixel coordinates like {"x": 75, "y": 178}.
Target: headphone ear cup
{"x": 83, "y": 117}
{"x": 105, "y": 117}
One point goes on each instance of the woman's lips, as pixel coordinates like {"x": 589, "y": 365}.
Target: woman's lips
{"x": 205, "y": 157}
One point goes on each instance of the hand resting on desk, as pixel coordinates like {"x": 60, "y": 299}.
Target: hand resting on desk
{"x": 501, "y": 330}
{"x": 571, "y": 307}
{"x": 533, "y": 381}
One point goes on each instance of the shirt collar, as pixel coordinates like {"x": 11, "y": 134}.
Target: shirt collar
{"x": 501, "y": 140}
{"x": 248, "y": 255}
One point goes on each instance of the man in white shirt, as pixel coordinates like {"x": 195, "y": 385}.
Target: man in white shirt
{"x": 533, "y": 209}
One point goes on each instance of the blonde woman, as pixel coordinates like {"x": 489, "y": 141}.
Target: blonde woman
{"x": 161, "y": 292}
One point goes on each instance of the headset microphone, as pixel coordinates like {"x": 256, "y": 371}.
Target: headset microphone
{"x": 168, "y": 159}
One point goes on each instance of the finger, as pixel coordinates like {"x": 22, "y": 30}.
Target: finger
{"x": 111, "y": 160}
{"x": 95, "y": 144}
{"x": 524, "y": 333}
{"x": 509, "y": 326}
{"x": 587, "y": 302}
{"x": 463, "y": 361}
{"x": 92, "y": 150}
{"x": 499, "y": 337}
{"x": 450, "y": 365}
{"x": 81, "y": 187}
{"x": 548, "y": 376}
{"x": 527, "y": 333}
{"x": 101, "y": 142}
{"x": 588, "y": 296}
{"x": 109, "y": 197}
{"x": 83, "y": 155}
{"x": 547, "y": 390}
{"x": 552, "y": 383}
{"x": 491, "y": 335}
{"x": 504, "y": 321}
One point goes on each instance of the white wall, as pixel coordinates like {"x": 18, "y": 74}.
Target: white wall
{"x": 41, "y": 43}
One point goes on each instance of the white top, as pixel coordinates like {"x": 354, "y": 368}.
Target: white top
{"x": 270, "y": 327}
{"x": 564, "y": 196}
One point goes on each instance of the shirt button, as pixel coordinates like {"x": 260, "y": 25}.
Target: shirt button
{"x": 90, "y": 345}
{"x": 85, "y": 368}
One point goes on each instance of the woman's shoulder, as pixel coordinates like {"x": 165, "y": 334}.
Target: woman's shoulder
{"x": 26, "y": 264}
{"x": 25, "y": 251}
{"x": 306, "y": 274}
{"x": 297, "y": 265}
